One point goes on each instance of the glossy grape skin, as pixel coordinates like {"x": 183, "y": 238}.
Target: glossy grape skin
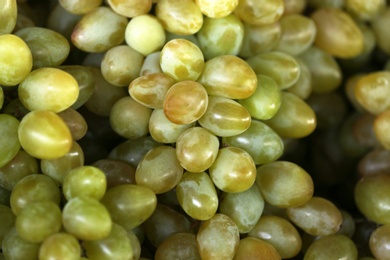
{"x": 9, "y": 143}
{"x": 16, "y": 60}
{"x": 244, "y": 208}
{"x": 44, "y": 135}
{"x": 304, "y": 86}
{"x": 178, "y": 246}
{"x": 14, "y": 247}
{"x": 169, "y": 171}
{"x": 260, "y": 12}
{"x": 225, "y": 117}
{"x": 185, "y": 102}
{"x": 233, "y": 170}
{"x": 260, "y": 141}
{"x": 294, "y": 119}
{"x": 60, "y": 245}
{"x": 130, "y": 205}
{"x": 379, "y": 242}
{"x": 251, "y": 248}
{"x": 9, "y": 14}
{"x": 197, "y": 195}
{"x": 86, "y": 218}
{"x": 30, "y": 225}
{"x": 196, "y": 149}
{"x": 219, "y": 81}
{"x": 217, "y": 9}
{"x": 218, "y": 238}
{"x": 131, "y": 8}
{"x": 32, "y": 188}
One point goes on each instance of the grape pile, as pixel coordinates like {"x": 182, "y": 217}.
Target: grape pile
{"x": 194, "y": 129}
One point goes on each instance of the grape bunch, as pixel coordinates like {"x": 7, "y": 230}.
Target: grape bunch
{"x": 194, "y": 129}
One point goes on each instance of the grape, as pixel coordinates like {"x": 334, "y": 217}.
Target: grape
{"x": 181, "y": 59}
{"x": 348, "y": 225}
{"x": 131, "y": 8}
{"x": 61, "y": 21}
{"x": 75, "y": 121}
{"x": 294, "y": 6}
{"x": 254, "y": 248}
{"x": 8, "y": 221}
{"x": 33, "y": 188}
{"x": 218, "y": 238}
{"x": 221, "y": 36}
{"x": 9, "y": 15}
{"x": 76, "y": 7}
{"x": 86, "y": 218}
{"x": 233, "y": 170}
{"x": 117, "y": 172}
{"x": 44, "y": 135}
{"x": 284, "y": 184}
{"x": 145, "y": 34}
{"x": 14, "y": 247}
{"x": 16, "y": 59}
{"x": 38, "y": 220}
{"x": 151, "y": 63}
{"x": 196, "y": 149}
{"x": 217, "y": 9}
{"x": 364, "y": 10}
{"x": 60, "y": 245}
{"x": 169, "y": 170}
{"x": 379, "y": 242}
{"x": 379, "y": 26}
{"x": 260, "y": 12}
{"x": 178, "y": 246}
{"x": 99, "y": 30}
{"x": 48, "y": 48}
{"x": 9, "y": 143}
{"x": 197, "y": 195}
{"x": 303, "y": 87}
{"x": 374, "y": 162}
{"x": 130, "y": 205}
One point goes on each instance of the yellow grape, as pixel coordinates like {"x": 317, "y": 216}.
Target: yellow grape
{"x": 130, "y": 8}
{"x": 216, "y": 9}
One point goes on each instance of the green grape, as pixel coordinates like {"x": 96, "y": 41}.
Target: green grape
{"x": 117, "y": 172}
{"x": 179, "y": 16}
{"x": 169, "y": 170}
{"x": 99, "y": 30}
{"x": 332, "y": 247}
{"x": 216, "y": 9}
{"x": 178, "y": 246}
{"x": 20, "y": 166}
{"x": 185, "y": 102}
{"x": 221, "y": 36}
{"x": 294, "y": 119}
{"x": 219, "y": 81}
{"x": 145, "y": 34}
{"x": 284, "y": 184}
{"x": 9, "y": 15}
{"x": 15, "y": 59}
{"x": 303, "y": 87}
{"x": 121, "y": 65}
{"x": 225, "y": 117}
{"x": 374, "y": 162}
{"x": 218, "y": 238}
{"x": 280, "y": 233}
{"x": 85, "y": 81}
{"x": 44, "y": 135}
{"x": 244, "y": 208}
{"x": 116, "y": 245}
{"x": 130, "y": 205}
{"x": 87, "y": 181}
{"x": 132, "y": 151}
{"x": 134, "y": 244}
{"x": 7, "y": 221}
{"x": 164, "y": 131}
{"x": 298, "y": 34}
{"x": 181, "y": 59}
{"x": 337, "y": 33}
{"x": 131, "y": 8}
{"x": 86, "y": 218}
{"x": 48, "y": 47}
{"x": 371, "y": 197}
{"x": 196, "y": 149}
{"x": 379, "y": 242}
{"x": 265, "y": 101}
{"x": 58, "y": 168}
{"x": 151, "y": 64}
{"x": 129, "y": 118}
{"x": 254, "y": 248}
{"x": 60, "y": 246}
{"x": 33, "y": 188}
{"x": 325, "y": 71}
{"x": 379, "y": 26}
{"x": 197, "y": 195}
{"x": 38, "y": 220}
{"x": 104, "y": 96}
{"x": 61, "y": 21}
{"x": 77, "y": 7}
{"x": 48, "y": 89}
{"x": 348, "y": 225}
{"x": 150, "y": 89}
{"x": 75, "y": 121}
{"x": 317, "y": 217}
{"x": 9, "y": 142}
{"x": 164, "y": 222}
{"x": 16, "y": 248}
{"x": 260, "y": 12}
{"x": 233, "y": 170}
{"x": 280, "y": 66}
{"x": 294, "y": 6}
{"x": 259, "y": 38}
{"x": 5, "y": 196}
{"x": 260, "y": 141}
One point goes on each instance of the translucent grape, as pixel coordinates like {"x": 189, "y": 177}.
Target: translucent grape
{"x": 77, "y": 7}
{"x": 9, "y": 15}
{"x": 60, "y": 245}
{"x": 260, "y": 12}
{"x": 216, "y": 9}
{"x": 9, "y": 143}
{"x": 14, "y": 247}
{"x": 131, "y": 8}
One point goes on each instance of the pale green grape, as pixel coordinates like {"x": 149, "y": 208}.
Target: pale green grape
{"x": 131, "y": 8}
{"x": 216, "y": 9}
{"x": 77, "y": 7}
{"x": 60, "y": 246}
{"x": 9, "y": 142}
{"x": 9, "y": 15}
{"x": 260, "y": 11}
{"x": 16, "y": 248}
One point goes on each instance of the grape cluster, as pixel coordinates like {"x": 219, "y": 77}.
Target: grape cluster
{"x": 194, "y": 129}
